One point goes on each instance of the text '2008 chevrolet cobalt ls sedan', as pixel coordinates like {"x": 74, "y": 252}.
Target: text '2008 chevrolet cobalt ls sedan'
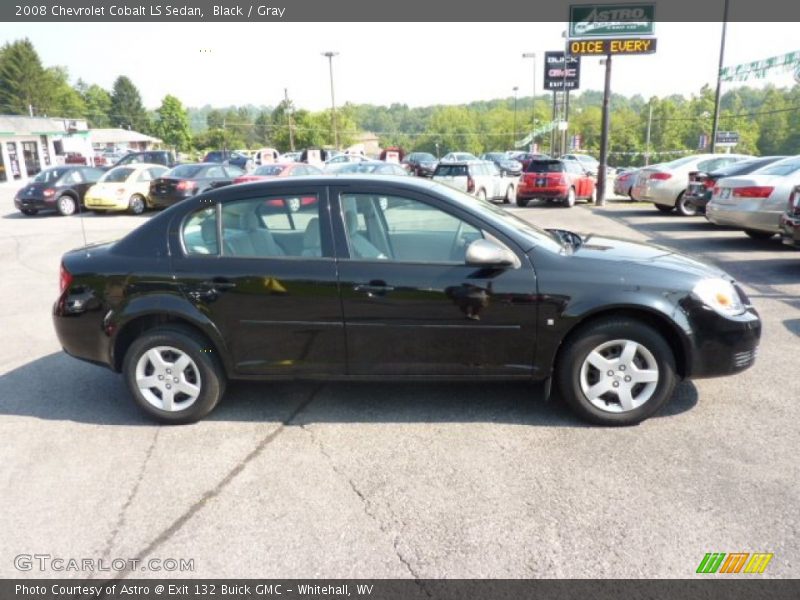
{"x": 379, "y": 278}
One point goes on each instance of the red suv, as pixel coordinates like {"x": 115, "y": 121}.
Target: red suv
{"x": 554, "y": 179}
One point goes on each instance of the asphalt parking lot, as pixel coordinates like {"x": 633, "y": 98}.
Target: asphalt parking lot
{"x": 398, "y": 480}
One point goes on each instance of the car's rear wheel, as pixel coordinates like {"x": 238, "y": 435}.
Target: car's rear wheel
{"x": 758, "y": 235}
{"x": 66, "y": 205}
{"x": 616, "y": 372}
{"x": 29, "y": 211}
{"x": 664, "y": 208}
{"x": 136, "y": 204}
{"x": 173, "y": 375}
{"x": 509, "y": 195}
{"x": 481, "y": 195}
{"x": 522, "y": 202}
{"x": 684, "y": 207}
{"x": 569, "y": 201}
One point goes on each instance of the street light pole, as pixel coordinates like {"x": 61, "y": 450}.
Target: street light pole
{"x": 715, "y": 125}
{"x": 330, "y": 56}
{"x": 533, "y": 97}
{"x": 513, "y": 141}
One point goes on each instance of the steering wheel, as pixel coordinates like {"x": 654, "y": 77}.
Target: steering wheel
{"x": 456, "y": 248}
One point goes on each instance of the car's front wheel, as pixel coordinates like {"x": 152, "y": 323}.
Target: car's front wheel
{"x": 569, "y": 201}
{"x": 616, "y": 372}
{"x": 173, "y": 375}
{"x": 509, "y": 195}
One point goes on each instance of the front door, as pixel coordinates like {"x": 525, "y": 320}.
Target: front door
{"x": 412, "y": 306}
{"x": 271, "y": 286}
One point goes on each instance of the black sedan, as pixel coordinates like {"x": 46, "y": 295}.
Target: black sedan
{"x": 701, "y": 185}
{"x": 421, "y": 164}
{"x": 184, "y": 181}
{"x": 506, "y": 165}
{"x": 59, "y": 188}
{"x": 434, "y": 286}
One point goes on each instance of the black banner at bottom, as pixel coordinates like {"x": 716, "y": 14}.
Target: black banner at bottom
{"x": 712, "y": 588}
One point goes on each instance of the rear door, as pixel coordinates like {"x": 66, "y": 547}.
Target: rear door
{"x": 271, "y": 285}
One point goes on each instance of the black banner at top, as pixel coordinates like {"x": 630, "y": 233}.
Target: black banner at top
{"x": 367, "y": 11}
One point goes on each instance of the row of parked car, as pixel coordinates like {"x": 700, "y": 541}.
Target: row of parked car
{"x": 755, "y": 194}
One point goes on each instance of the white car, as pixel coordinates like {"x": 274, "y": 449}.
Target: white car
{"x": 340, "y": 160}
{"x": 479, "y": 178}
{"x": 756, "y": 201}
{"x": 458, "y": 157}
{"x": 265, "y": 156}
{"x": 664, "y": 184}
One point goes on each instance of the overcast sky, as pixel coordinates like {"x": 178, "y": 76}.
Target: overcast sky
{"x": 380, "y": 63}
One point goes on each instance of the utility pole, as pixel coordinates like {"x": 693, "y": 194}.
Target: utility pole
{"x": 330, "y": 56}
{"x": 565, "y": 96}
{"x": 533, "y": 97}
{"x": 289, "y": 115}
{"x": 647, "y": 142}
{"x": 601, "y": 173}
{"x": 719, "y": 79}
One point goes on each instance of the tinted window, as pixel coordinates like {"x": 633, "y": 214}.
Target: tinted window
{"x": 742, "y": 168}
{"x": 233, "y": 171}
{"x": 215, "y": 172}
{"x": 421, "y": 157}
{"x": 145, "y": 175}
{"x": 73, "y": 177}
{"x": 545, "y": 166}
{"x": 50, "y": 175}
{"x": 185, "y": 171}
{"x": 92, "y": 174}
{"x": 451, "y": 171}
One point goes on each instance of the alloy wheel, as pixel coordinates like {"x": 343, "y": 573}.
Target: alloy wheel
{"x": 168, "y": 378}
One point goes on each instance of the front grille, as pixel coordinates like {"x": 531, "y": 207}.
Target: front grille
{"x": 744, "y": 359}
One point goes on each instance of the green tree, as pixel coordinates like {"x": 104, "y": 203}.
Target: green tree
{"x": 172, "y": 123}
{"x": 127, "y": 110}
{"x": 98, "y": 104}
{"x": 23, "y": 81}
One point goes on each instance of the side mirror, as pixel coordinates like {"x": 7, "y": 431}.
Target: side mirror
{"x": 486, "y": 253}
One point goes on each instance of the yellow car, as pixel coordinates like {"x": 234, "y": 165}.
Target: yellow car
{"x": 123, "y": 188}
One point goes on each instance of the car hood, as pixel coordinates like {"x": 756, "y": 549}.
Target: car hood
{"x": 625, "y": 252}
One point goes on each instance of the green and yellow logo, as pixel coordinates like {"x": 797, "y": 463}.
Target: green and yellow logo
{"x": 735, "y": 562}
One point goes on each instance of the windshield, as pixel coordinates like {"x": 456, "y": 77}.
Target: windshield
{"x": 50, "y": 175}
{"x": 492, "y": 213}
{"x": 422, "y": 157}
{"x": 269, "y": 170}
{"x": 783, "y": 167}
{"x": 117, "y": 175}
{"x": 186, "y": 171}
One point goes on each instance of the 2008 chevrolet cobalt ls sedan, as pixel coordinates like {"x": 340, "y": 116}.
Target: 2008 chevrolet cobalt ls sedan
{"x": 380, "y": 278}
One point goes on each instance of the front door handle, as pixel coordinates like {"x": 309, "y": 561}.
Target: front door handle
{"x": 374, "y": 288}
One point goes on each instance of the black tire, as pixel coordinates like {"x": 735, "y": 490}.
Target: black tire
{"x": 137, "y": 204}
{"x": 578, "y": 347}
{"x": 664, "y": 208}
{"x": 759, "y": 235}
{"x": 481, "y": 195}
{"x": 67, "y": 205}
{"x": 211, "y": 373}
{"x": 522, "y": 202}
{"x": 684, "y": 208}
{"x": 29, "y": 212}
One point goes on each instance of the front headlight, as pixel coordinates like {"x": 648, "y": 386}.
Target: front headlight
{"x": 719, "y": 295}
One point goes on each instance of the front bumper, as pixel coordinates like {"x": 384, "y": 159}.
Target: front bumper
{"x": 790, "y": 230}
